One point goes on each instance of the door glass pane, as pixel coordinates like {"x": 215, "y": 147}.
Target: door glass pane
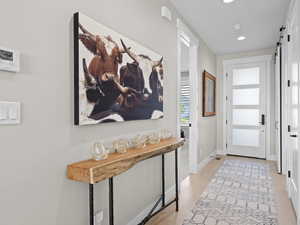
{"x": 248, "y": 117}
{"x": 248, "y": 76}
{"x": 295, "y": 72}
{"x": 245, "y": 96}
{"x": 244, "y": 137}
{"x": 295, "y": 94}
{"x": 295, "y": 117}
{"x": 295, "y": 167}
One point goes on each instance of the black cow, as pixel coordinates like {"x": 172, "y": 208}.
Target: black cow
{"x": 132, "y": 76}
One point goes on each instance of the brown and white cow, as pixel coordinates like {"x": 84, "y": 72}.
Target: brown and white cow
{"x": 152, "y": 71}
{"x": 102, "y": 73}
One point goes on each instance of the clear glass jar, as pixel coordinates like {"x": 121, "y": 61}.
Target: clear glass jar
{"x": 121, "y": 145}
{"x": 139, "y": 141}
{"x": 165, "y": 134}
{"x": 154, "y": 138}
{"x": 99, "y": 152}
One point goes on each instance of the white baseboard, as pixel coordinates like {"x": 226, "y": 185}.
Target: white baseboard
{"x": 170, "y": 195}
{"x": 204, "y": 162}
{"x": 220, "y": 152}
{"x": 272, "y": 158}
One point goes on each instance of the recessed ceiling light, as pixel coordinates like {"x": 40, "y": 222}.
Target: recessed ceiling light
{"x": 241, "y": 38}
{"x": 228, "y": 1}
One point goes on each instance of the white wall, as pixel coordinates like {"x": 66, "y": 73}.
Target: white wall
{"x": 34, "y": 189}
{"x": 207, "y": 125}
{"x": 220, "y": 59}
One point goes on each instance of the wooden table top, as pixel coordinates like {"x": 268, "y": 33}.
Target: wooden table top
{"x": 92, "y": 171}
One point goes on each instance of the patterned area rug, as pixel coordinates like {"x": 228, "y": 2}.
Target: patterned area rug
{"x": 239, "y": 194}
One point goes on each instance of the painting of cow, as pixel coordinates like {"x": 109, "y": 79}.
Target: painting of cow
{"x": 116, "y": 79}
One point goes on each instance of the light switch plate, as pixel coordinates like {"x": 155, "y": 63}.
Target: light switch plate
{"x": 9, "y": 60}
{"x": 10, "y": 113}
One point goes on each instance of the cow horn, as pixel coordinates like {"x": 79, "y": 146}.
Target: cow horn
{"x": 88, "y": 42}
{"x": 158, "y": 63}
{"x": 130, "y": 53}
{"x": 122, "y": 51}
{"x": 89, "y": 80}
{"x": 122, "y": 89}
{"x": 87, "y": 33}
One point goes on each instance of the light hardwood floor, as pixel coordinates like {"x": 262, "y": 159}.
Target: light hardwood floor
{"x": 194, "y": 185}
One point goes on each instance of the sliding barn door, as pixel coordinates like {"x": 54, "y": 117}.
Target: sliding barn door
{"x": 293, "y": 110}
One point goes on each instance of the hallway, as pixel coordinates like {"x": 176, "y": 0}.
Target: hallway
{"x": 130, "y": 112}
{"x": 195, "y": 185}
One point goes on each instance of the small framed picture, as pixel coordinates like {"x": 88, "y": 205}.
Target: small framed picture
{"x": 9, "y": 60}
{"x": 209, "y": 94}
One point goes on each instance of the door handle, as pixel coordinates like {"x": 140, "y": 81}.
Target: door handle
{"x": 293, "y": 135}
{"x": 263, "y": 119}
{"x": 182, "y": 134}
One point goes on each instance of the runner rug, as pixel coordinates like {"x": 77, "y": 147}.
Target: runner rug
{"x": 240, "y": 193}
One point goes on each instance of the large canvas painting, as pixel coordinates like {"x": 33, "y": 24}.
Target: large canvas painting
{"x": 116, "y": 79}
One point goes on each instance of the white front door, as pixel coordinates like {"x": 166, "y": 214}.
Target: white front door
{"x": 246, "y": 109}
{"x": 293, "y": 112}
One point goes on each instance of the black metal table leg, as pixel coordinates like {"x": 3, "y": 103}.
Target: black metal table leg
{"x": 176, "y": 180}
{"x": 91, "y": 201}
{"x": 163, "y": 180}
{"x": 111, "y": 201}
{"x": 154, "y": 211}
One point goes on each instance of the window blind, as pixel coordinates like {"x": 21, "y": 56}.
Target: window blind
{"x": 185, "y": 99}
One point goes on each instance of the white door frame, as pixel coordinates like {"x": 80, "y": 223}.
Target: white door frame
{"x": 228, "y": 63}
{"x": 284, "y": 99}
{"x": 183, "y": 30}
{"x": 278, "y": 107}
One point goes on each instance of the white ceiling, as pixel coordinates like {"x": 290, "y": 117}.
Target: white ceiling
{"x": 214, "y": 21}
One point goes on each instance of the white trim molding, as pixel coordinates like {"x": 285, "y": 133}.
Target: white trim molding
{"x": 273, "y": 158}
{"x": 221, "y": 152}
{"x": 205, "y": 161}
{"x": 187, "y": 32}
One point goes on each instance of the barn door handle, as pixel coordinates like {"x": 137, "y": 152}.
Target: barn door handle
{"x": 263, "y": 118}
{"x": 294, "y": 135}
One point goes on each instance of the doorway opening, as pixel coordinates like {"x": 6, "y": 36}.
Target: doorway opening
{"x": 185, "y": 105}
{"x": 187, "y": 99}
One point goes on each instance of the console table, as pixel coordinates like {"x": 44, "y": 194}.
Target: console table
{"x": 92, "y": 172}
